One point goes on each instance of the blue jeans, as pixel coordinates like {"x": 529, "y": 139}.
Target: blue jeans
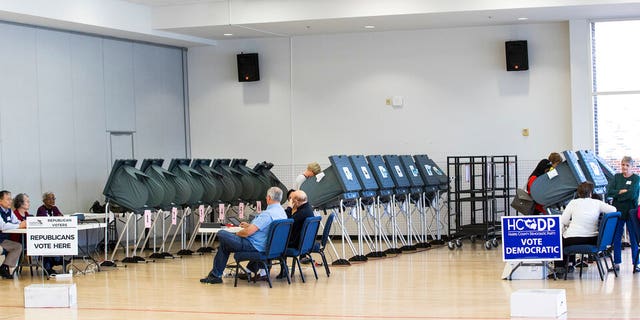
{"x": 229, "y": 242}
{"x": 617, "y": 242}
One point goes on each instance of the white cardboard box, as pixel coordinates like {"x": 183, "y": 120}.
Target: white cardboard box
{"x": 529, "y": 271}
{"x": 539, "y": 303}
{"x": 50, "y": 296}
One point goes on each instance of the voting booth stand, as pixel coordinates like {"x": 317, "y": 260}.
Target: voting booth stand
{"x": 532, "y": 242}
{"x": 51, "y": 236}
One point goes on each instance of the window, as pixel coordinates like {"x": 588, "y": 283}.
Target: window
{"x": 616, "y": 88}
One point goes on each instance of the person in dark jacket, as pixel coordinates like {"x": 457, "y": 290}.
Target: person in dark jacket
{"x": 624, "y": 191}
{"x": 300, "y": 210}
{"x": 543, "y": 167}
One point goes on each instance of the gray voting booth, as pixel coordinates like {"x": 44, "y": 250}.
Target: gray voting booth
{"x": 557, "y": 187}
{"x": 336, "y": 189}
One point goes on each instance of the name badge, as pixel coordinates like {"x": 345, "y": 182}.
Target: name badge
{"x": 628, "y": 182}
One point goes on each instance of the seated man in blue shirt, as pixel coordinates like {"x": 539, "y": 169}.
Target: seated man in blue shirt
{"x": 252, "y": 237}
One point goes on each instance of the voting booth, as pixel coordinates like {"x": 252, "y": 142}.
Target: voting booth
{"x": 369, "y": 209}
{"x": 233, "y": 186}
{"x": 175, "y": 191}
{"x": 436, "y": 184}
{"x": 386, "y": 193}
{"x": 557, "y": 187}
{"x": 254, "y": 185}
{"x": 337, "y": 188}
{"x": 264, "y": 170}
{"x": 593, "y": 171}
{"x": 417, "y": 204}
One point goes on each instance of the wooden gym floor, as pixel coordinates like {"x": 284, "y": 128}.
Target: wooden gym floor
{"x": 433, "y": 284}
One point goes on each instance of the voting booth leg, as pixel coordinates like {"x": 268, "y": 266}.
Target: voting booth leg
{"x": 377, "y": 237}
{"x": 341, "y": 261}
{"x": 108, "y": 215}
{"x": 392, "y": 244}
{"x": 436, "y": 209}
{"x": 136, "y": 257}
{"x": 183, "y": 235}
{"x": 359, "y": 256}
{"x": 163, "y": 253}
{"x": 151, "y": 232}
{"x": 125, "y": 232}
{"x": 372, "y": 241}
{"x": 204, "y": 248}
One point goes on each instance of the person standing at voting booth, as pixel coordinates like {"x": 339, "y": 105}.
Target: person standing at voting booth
{"x": 581, "y": 216}
{"x": 312, "y": 170}
{"x": 543, "y": 167}
{"x": 252, "y": 237}
{"x": 9, "y": 221}
{"x": 623, "y": 189}
{"x": 555, "y": 159}
{"x": 48, "y": 207}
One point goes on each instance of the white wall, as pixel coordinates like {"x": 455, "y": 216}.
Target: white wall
{"x": 230, "y": 119}
{"x": 60, "y": 94}
{"x": 459, "y": 100}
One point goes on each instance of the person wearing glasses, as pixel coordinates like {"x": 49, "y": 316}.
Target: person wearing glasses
{"x": 624, "y": 190}
{"x": 8, "y": 221}
{"x": 48, "y": 209}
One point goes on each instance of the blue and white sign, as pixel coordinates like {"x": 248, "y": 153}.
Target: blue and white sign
{"x": 531, "y": 238}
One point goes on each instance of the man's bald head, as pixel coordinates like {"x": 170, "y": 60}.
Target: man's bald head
{"x": 299, "y": 197}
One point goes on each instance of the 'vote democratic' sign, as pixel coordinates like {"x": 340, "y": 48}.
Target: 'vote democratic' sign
{"x": 531, "y": 238}
{"x": 52, "y": 236}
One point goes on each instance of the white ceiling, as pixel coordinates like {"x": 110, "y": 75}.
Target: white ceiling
{"x": 203, "y": 22}
{"x": 337, "y": 21}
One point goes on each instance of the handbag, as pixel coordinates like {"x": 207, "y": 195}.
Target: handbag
{"x": 523, "y": 202}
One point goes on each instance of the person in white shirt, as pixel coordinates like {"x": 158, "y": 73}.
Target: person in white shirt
{"x": 581, "y": 216}
{"x": 313, "y": 169}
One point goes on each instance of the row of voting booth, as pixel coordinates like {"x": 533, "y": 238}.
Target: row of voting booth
{"x": 556, "y": 188}
{"x": 392, "y": 201}
{"x": 165, "y": 198}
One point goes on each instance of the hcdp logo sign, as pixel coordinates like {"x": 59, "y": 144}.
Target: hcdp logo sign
{"x": 537, "y": 224}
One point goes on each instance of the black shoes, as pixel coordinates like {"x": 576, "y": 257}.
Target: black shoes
{"x": 281, "y": 275}
{"x": 4, "y": 272}
{"x": 211, "y": 279}
{"x": 51, "y": 272}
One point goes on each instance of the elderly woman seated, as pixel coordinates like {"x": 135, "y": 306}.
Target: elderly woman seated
{"x": 48, "y": 208}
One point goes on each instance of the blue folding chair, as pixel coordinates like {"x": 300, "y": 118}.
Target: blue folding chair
{"x": 318, "y": 247}
{"x": 307, "y": 239}
{"x": 600, "y": 250}
{"x": 276, "y": 244}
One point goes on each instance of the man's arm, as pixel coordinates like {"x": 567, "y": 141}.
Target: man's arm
{"x": 247, "y": 230}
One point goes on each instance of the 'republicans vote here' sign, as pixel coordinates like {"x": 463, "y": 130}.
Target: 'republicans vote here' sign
{"x": 52, "y": 236}
{"x": 531, "y": 238}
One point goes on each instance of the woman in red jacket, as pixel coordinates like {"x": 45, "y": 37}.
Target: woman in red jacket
{"x": 21, "y": 204}
{"x": 543, "y": 167}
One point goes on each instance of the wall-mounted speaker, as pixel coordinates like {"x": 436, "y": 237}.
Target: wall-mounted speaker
{"x": 517, "y": 56}
{"x": 248, "y": 67}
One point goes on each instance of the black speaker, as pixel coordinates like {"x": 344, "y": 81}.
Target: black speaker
{"x": 517, "y": 56}
{"x": 248, "y": 67}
